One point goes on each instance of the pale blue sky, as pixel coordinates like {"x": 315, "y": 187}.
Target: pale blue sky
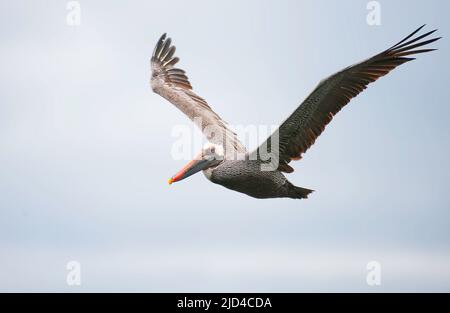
{"x": 85, "y": 149}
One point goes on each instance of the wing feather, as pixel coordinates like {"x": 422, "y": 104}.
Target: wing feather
{"x": 173, "y": 84}
{"x": 300, "y": 131}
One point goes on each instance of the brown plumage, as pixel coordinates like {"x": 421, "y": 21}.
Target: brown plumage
{"x": 173, "y": 84}
{"x": 294, "y": 137}
{"x": 300, "y": 131}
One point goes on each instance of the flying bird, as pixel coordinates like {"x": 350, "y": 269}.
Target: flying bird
{"x": 225, "y": 161}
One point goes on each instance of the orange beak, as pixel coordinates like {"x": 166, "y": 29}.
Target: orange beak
{"x": 181, "y": 174}
{"x": 194, "y": 166}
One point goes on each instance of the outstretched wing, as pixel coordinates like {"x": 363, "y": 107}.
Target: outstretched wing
{"x": 299, "y": 132}
{"x": 173, "y": 84}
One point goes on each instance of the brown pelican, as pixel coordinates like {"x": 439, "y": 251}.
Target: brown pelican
{"x": 246, "y": 173}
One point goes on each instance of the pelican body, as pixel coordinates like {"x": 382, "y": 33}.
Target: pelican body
{"x": 247, "y": 177}
{"x": 248, "y": 174}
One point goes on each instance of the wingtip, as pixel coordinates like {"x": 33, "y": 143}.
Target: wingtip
{"x": 162, "y": 38}
{"x": 420, "y": 28}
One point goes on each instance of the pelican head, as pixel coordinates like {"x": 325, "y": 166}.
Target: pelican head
{"x": 210, "y": 156}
